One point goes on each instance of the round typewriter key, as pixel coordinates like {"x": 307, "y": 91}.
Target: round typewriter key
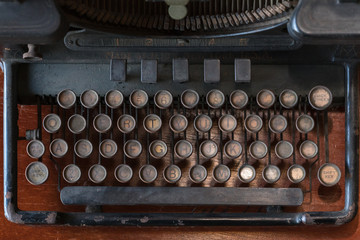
{"x": 202, "y": 123}
{"x": 277, "y": 123}
{"x": 284, "y": 149}
{"x": 126, "y": 123}
{"x": 152, "y": 123}
{"x": 288, "y": 98}
{"x": 102, "y": 123}
{"x": 83, "y": 148}
{"x": 76, "y": 124}
{"x": 163, "y": 99}
{"x": 148, "y": 173}
{"x": 172, "y": 173}
{"x": 253, "y": 123}
{"x": 221, "y": 173}
{"x": 238, "y": 99}
{"x": 197, "y": 173}
{"x": 208, "y": 149}
{"x": 265, "y": 99}
{"x": 35, "y": 149}
{"x": 232, "y": 149}
{"x": 158, "y": 149}
{"x": 320, "y": 97}
{"x": 271, "y": 174}
{"x": 258, "y": 149}
{"x": 114, "y": 98}
{"x": 108, "y": 148}
{"x": 189, "y": 98}
{"x": 215, "y": 98}
{"x": 329, "y": 174}
{"x": 246, "y": 173}
{"x": 305, "y": 123}
{"x": 296, "y": 173}
{"x": 89, "y": 98}
{"x": 183, "y": 149}
{"x": 58, "y": 148}
{"x": 97, "y": 173}
{"x": 178, "y": 123}
{"x": 66, "y": 98}
{"x": 308, "y": 149}
{"x": 138, "y": 98}
{"x": 36, "y": 173}
{"x": 123, "y": 173}
{"x": 227, "y": 123}
{"x": 132, "y": 148}
{"x": 52, "y": 123}
{"x": 71, "y": 173}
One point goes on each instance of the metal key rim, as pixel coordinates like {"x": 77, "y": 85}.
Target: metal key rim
{"x": 64, "y": 173}
{"x": 207, "y": 141}
{"x": 253, "y": 116}
{"x": 114, "y": 144}
{"x": 107, "y": 128}
{"x": 297, "y": 123}
{"x": 277, "y": 149}
{"x": 208, "y": 101}
{"x": 289, "y": 173}
{"x": 251, "y": 147}
{"x": 66, "y": 106}
{"x": 337, "y": 169}
{"x": 272, "y": 119}
{"x": 172, "y": 119}
{"x": 222, "y": 118}
{"x": 89, "y": 143}
{"x": 237, "y": 143}
{"x": 261, "y": 104}
{"x": 202, "y": 179}
{"x": 159, "y": 105}
{"x": 236, "y": 106}
{"x": 121, "y": 166}
{"x": 119, "y": 120}
{"x": 92, "y": 168}
{"x": 312, "y": 143}
{"x": 227, "y": 170}
{"x": 121, "y": 97}
{"x": 31, "y": 165}
{"x": 42, "y": 146}
{"x": 177, "y": 179}
{"x": 182, "y": 99}
{"x": 197, "y": 119}
{"x": 142, "y": 169}
{"x": 69, "y": 122}
{"x": 57, "y": 119}
{"x": 276, "y": 169}
{"x": 140, "y": 148}
{"x": 135, "y": 105}
{"x": 95, "y": 94}
{"x": 53, "y": 142}
{"x": 313, "y": 105}
{"x": 153, "y": 143}
{"x": 252, "y": 170}
{"x": 154, "y": 116}
{"x": 190, "y": 152}
{"x": 292, "y": 92}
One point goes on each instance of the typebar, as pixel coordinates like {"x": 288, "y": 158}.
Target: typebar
{"x": 200, "y": 196}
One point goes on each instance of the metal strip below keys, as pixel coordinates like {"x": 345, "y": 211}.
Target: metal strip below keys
{"x": 181, "y": 196}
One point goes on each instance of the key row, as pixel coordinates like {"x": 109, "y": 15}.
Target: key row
{"x": 319, "y": 97}
{"x": 183, "y": 149}
{"x": 328, "y": 174}
{"x": 178, "y": 123}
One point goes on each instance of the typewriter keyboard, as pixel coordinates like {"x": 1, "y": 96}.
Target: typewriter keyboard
{"x": 264, "y": 144}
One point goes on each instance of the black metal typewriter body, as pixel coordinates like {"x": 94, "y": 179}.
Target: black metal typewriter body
{"x": 208, "y": 112}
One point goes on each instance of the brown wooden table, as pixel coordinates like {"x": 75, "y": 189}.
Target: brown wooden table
{"x": 10, "y": 230}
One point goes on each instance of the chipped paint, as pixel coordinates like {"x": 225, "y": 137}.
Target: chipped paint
{"x": 51, "y": 218}
{"x": 144, "y": 219}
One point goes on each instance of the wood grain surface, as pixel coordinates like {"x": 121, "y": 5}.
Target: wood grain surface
{"x": 13, "y": 231}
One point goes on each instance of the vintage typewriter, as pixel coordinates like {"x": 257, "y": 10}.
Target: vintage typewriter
{"x": 180, "y": 112}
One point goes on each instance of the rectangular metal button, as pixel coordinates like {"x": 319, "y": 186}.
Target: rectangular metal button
{"x": 211, "y": 70}
{"x": 118, "y": 70}
{"x": 242, "y": 70}
{"x": 180, "y": 69}
{"x": 148, "y": 71}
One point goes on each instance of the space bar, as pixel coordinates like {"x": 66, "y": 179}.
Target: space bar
{"x": 181, "y": 196}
